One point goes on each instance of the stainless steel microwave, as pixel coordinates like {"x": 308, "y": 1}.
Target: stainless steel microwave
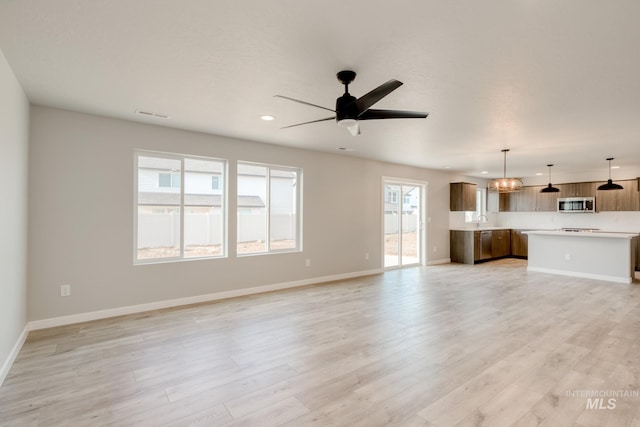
{"x": 577, "y": 204}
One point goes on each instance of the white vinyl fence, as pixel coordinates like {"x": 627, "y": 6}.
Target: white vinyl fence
{"x": 409, "y": 223}
{"x": 158, "y": 230}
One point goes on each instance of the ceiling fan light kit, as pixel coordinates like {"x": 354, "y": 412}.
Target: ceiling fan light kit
{"x": 610, "y": 185}
{"x": 504, "y": 184}
{"x": 350, "y": 110}
{"x": 550, "y": 188}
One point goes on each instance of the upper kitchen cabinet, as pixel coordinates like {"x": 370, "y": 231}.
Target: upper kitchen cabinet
{"x": 546, "y": 202}
{"x": 528, "y": 199}
{"x": 627, "y": 199}
{"x": 462, "y": 196}
{"x": 501, "y": 202}
{"x": 577, "y": 189}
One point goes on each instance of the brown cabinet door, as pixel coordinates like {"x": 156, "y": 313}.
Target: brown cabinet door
{"x": 500, "y": 243}
{"x": 508, "y": 202}
{"x": 462, "y": 246}
{"x": 526, "y": 199}
{"x": 519, "y": 244}
{"x": 577, "y": 189}
{"x": 585, "y": 189}
{"x": 462, "y": 196}
{"x": 626, "y": 199}
{"x": 547, "y": 202}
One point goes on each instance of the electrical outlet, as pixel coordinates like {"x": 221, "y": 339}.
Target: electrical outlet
{"x": 366, "y": 256}
{"x": 65, "y": 290}
{"x": 567, "y": 257}
{"x": 435, "y": 249}
{"x": 308, "y": 262}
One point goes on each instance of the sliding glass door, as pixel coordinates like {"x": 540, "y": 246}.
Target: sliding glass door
{"x": 402, "y": 223}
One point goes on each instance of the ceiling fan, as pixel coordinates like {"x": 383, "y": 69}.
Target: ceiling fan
{"x": 350, "y": 110}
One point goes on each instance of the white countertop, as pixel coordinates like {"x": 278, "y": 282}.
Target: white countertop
{"x": 480, "y": 228}
{"x": 607, "y": 234}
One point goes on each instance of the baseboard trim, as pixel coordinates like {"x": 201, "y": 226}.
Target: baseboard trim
{"x": 616, "y": 279}
{"x": 131, "y": 309}
{"x": 6, "y": 366}
{"x": 439, "y": 261}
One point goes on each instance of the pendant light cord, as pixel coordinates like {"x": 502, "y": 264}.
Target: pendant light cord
{"x": 504, "y": 169}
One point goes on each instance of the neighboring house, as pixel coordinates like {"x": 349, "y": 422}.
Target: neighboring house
{"x": 159, "y": 183}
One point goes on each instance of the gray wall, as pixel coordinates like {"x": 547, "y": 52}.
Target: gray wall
{"x": 14, "y": 138}
{"x": 81, "y": 223}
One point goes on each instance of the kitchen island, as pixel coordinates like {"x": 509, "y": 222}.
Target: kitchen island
{"x": 596, "y": 255}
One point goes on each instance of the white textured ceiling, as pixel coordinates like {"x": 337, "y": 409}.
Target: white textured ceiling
{"x": 554, "y": 81}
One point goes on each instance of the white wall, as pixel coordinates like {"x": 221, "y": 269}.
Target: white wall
{"x": 81, "y": 224}
{"x": 14, "y": 138}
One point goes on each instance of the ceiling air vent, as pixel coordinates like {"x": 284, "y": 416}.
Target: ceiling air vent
{"x": 150, "y": 114}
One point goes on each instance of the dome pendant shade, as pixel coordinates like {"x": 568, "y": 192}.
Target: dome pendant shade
{"x": 610, "y": 185}
{"x": 506, "y": 185}
{"x": 550, "y": 188}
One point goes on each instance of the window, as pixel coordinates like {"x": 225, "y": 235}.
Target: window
{"x": 480, "y": 214}
{"x": 169, "y": 180}
{"x": 215, "y": 182}
{"x": 269, "y": 208}
{"x": 178, "y": 214}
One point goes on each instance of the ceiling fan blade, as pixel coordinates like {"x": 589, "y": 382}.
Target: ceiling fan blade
{"x": 313, "y": 121}
{"x": 366, "y": 101}
{"x": 354, "y": 130}
{"x": 391, "y": 114}
{"x": 303, "y": 102}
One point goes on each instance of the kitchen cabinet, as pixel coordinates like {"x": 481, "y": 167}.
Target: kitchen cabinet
{"x": 500, "y": 243}
{"x": 627, "y": 199}
{"x": 462, "y": 196}
{"x": 529, "y": 199}
{"x": 577, "y": 189}
{"x": 500, "y": 202}
{"x": 471, "y": 246}
{"x": 519, "y": 244}
{"x": 464, "y": 246}
{"x": 526, "y": 199}
{"x": 546, "y": 202}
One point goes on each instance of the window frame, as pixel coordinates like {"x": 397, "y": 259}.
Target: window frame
{"x": 480, "y": 214}
{"x": 298, "y": 208}
{"x": 224, "y": 208}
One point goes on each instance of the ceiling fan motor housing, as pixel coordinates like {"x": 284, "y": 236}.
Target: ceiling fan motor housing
{"x": 346, "y": 108}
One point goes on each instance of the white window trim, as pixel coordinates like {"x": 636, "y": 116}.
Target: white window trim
{"x": 225, "y": 207}
{"x": 299, "y": 203}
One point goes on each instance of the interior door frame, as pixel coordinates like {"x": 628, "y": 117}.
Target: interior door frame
{"x": 422, "y": 235}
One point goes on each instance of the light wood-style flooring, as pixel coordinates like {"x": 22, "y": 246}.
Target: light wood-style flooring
{"x": 448, "y": 345}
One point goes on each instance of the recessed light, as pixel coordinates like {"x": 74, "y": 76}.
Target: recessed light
{"x": 484, "y": 172}
{"x": 447, "y": 167}
{"x": 615, "y": 167}
{"x": 539, "y": 173}
{"x": 345, "y": 149}
{"x": 267, "y": 118}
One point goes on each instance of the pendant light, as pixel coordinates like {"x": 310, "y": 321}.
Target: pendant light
{"x": 504, "y": 184}
{"x": 550, "y": 188}
{"x": 610, "y": 185}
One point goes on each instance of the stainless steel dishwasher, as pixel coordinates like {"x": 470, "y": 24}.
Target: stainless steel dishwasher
{"x": 485, "y": 244}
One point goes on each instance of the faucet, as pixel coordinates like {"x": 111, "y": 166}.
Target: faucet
{"x": 480, "y": 220}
